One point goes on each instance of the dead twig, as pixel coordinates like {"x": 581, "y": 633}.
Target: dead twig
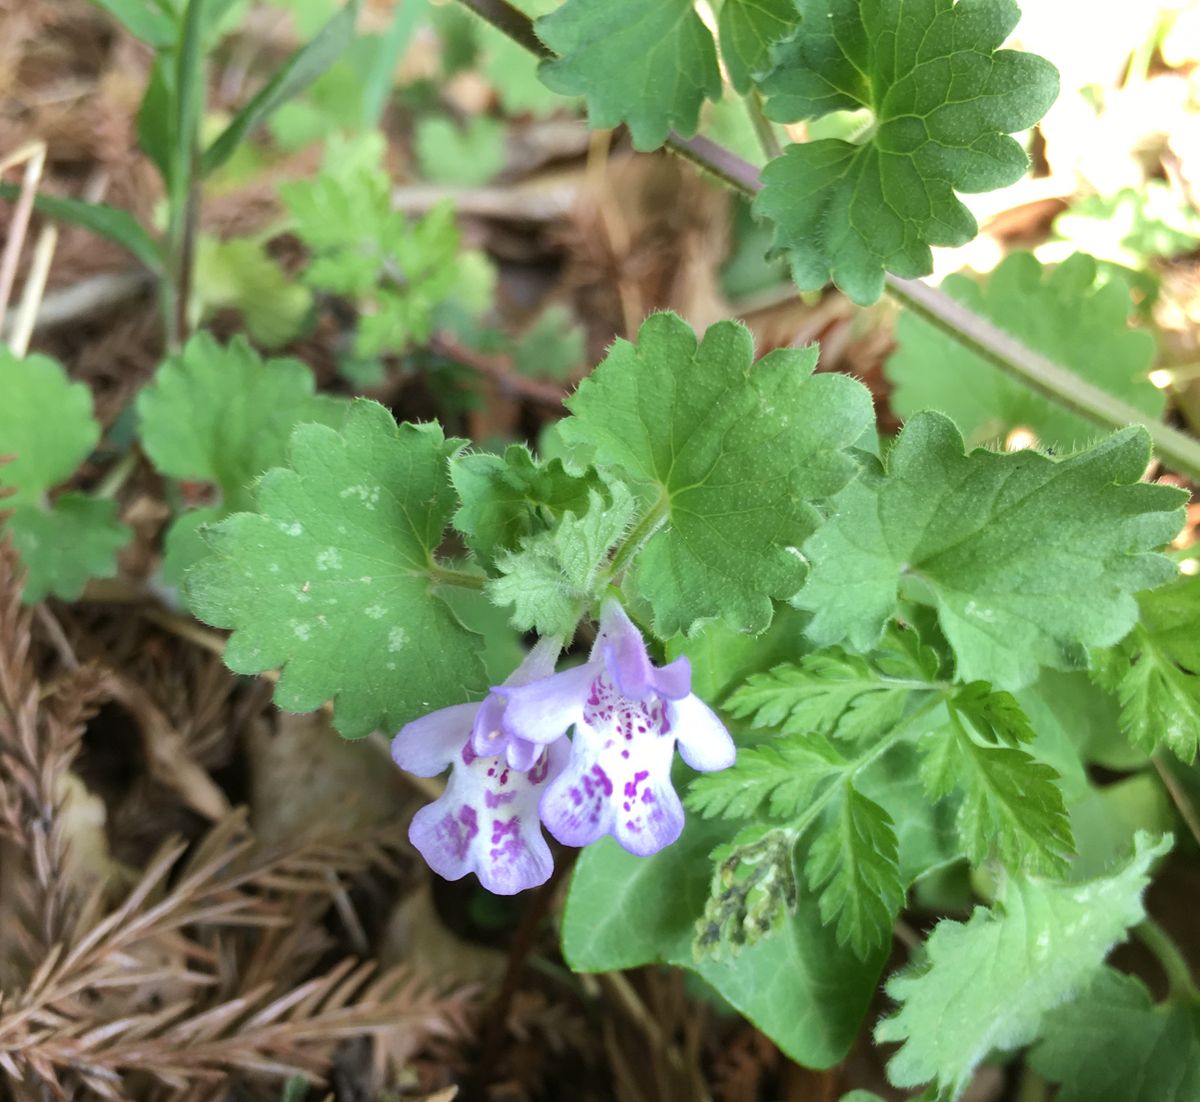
{"x": 500, "y": 370}
{"x": 33, "y": 156}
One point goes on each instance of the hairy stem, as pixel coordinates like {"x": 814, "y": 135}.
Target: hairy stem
{"x": 512, "y": 21}
{"x": 639, "y": 535}
{"x": 1178, "y": 450}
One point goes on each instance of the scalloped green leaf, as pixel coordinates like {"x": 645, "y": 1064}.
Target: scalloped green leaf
{"x": 220, "y": 413}
{"x": 748, "y": 29}
{"x": 989, "y": 983}
{"x": 944, "y": 99}
{"x": 46, "y": 431}
{"x": 63, "y": 546}
{"x": 333, "y": 579}
{"x": 46, "y": 426}
{"x": 648, "y": 63}
{"x": 732, "y": 453}
{"x": 1028, "y": 560}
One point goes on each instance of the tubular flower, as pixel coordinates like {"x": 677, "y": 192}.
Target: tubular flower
{"x": 629, "y": 716}
{"x": 486, "y": 822}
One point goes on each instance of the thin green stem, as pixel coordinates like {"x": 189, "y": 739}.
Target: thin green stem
{"x": 118, "y": 474}
{"x": 1177, "y": 450}
{"x": 1180, "y": 451}
{"x": 446, "y": 575}
{"x": 1181, "y": 987}
{"x": 764, "y": 128}
{"x": 1179, "y": 797}
{"x": 637, "y": 538}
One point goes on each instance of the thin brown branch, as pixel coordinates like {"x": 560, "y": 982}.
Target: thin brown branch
{"x": 500, "y": 370}
{"x": 512, "y": 21}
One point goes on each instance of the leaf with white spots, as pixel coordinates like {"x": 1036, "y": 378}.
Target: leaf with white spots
{"x": 333, "y": 578}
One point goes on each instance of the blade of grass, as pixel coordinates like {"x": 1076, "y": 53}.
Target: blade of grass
{"x": 183, "y": 197}
{"x": 296, "y": 74}
{"x": 377, "y": 82}
{"x": 116, "y": 225}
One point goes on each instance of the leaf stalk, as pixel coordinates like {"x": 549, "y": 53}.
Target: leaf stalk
{"x": 639, "y": 535}
{"x": 445, "y": 575}
{"x": 1180, "y": 985}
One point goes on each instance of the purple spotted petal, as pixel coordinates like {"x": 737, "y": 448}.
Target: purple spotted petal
{"x": 578, "y": 808}
{"x": 429, "y": 744}
{"x": 618, "y": 780}
{"x": 486, "y": 822}
{"x": 488, "y": 735}
{"x": 650, "y": 816}
{"x": 601, "y": 792}
{"x": 543, "y": 710}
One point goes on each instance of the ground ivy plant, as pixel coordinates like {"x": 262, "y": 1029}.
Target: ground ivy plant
{"x": 784, "y": 678}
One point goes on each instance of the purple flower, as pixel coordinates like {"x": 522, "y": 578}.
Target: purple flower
{"x": 628, "y": 715}
{"x": 486, "y": 821}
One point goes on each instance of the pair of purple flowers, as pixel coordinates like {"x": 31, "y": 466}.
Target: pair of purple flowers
{"x": 513, "y": 762}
